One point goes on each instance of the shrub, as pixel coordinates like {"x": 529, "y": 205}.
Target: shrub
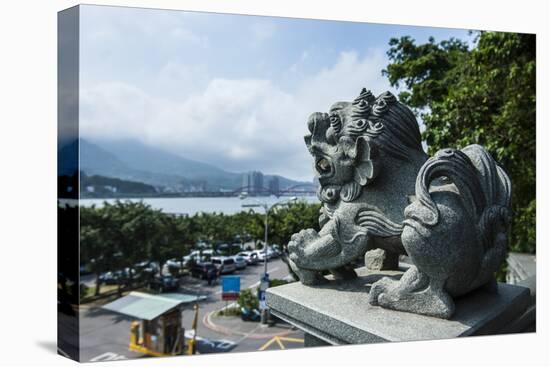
{"x": 277, "y": 282}
{"x": 247, "y": 299}
{"x": 229, "y": 311}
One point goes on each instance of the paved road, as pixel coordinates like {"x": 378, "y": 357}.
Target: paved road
{"x": 105, "y": 335}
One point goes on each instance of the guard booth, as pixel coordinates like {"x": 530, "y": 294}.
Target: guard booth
{"x": 157, "y": 329}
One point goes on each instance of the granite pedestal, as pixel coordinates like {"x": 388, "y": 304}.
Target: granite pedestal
{"x": 338, "y": 312}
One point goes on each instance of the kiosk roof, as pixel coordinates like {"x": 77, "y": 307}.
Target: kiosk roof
{"x": 145, "y": 306}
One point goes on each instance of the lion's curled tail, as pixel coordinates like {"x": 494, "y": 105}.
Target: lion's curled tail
{"x": 486, "y": 191}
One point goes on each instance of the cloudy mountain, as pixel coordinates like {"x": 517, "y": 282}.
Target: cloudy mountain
{"x": 150, "y": 159}
{"x": 134, "y": 161}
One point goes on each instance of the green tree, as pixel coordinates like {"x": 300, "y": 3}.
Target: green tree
{"x": 129, "y": 229}
{"x": 93, "y": 251}
{"x": 238, "y": 223}
{"x": 483, "y": 95}
{"x": 120, "y": 235}
{"x": 168, "y": 241}
{"x": 255, "y": 226}
{"x": 287, "y": 220}
{"x": 248, "y": 300}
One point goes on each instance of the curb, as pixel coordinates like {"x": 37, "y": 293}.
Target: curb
{"x": 207, "y": 321}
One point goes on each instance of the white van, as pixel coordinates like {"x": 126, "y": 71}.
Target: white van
{"x": 226, "y": 263}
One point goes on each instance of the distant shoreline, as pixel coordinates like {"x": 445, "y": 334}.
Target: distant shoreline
{"x": 193, "y": 205}
{"x": 184, "y": 195}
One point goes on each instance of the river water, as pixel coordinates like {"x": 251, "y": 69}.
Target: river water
{"x": 191, "y": 206}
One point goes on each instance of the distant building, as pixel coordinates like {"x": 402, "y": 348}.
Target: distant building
{"x": 253, "y": 182}
{"x": 246, "y": 185}
{"x": 258, "y": 181}
{"x": 112, "y": 189}
{"x": 274, "y": 185}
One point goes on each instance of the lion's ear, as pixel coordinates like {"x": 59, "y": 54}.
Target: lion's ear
{"x": 364, "y": 170}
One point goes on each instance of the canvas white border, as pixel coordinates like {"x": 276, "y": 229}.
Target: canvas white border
{"x": 28, "y": 235}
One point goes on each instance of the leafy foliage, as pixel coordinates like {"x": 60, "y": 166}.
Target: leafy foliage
{"x": 248, "y": 300}
{"x": 484, "y": 95}
{"x": 120, "y": 235}
{"x": 229, "y": 311}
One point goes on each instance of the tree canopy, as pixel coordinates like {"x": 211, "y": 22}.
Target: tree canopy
{"x": 484, "y": 94}
{"x": 120, "y": 235}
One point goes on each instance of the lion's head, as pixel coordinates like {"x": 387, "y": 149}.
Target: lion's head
{"x": 350, "y": 143}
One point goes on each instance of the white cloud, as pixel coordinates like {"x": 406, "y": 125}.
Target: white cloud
{"x": 262, "y": 31}
{"x": 237, "y": 124}
{"x": 294, "y": 68}
{"x": 185, "y": 35}
{"x": 178, "y": 81}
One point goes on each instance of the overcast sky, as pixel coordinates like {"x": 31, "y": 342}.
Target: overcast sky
{"x": 234, "y": 91}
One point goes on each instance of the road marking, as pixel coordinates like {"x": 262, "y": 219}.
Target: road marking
{"x": 207, "y": 322}
{"x": 279, "y": 340}
{"x": 109, "y": 356}
{"x": 248, "y": 334}
{"x": 221, "y": 344}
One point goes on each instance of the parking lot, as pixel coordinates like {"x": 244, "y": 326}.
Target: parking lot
{"x": 105, "y": 335}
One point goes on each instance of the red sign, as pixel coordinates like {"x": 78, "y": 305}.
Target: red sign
{"x": 231, "y": 287}
{"x": 230, "y": 296}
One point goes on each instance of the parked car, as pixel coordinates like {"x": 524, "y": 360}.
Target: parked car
{"x": 108, "y": 278}
{"x": 171, "y": 267}
{"x": 250, "y": 256}
{"x": 147, "y": 269}
{"x": 116, "y": 277}
{"x": 271, "y": 254}
{"x": 275, "y": 252}
{"x": 240, "y": 262}
{"x": 226, "y": 264}
{"x": 164, "y": 283}
{"x": 174, "y": 263}
{"x": 261, "y": 255}
{"x": 198, "y": 256}
{"x": 250, "y": 315}
{"x": 200, "y": 270}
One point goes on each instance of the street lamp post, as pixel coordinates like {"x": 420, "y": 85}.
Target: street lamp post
{"x": 264, "y": 281}
{"x": 267, "y": 209}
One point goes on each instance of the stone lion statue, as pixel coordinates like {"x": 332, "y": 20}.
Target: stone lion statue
{"x": 449, "y": 213}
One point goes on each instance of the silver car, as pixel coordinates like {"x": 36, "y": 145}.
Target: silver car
{"x": 226, "y": 264}
{"x": 240, "y": 262}
{"x": 250, "y": 256}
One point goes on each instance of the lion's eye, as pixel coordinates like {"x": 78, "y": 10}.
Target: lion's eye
{"x": 335, "y": 123}
{"x": 323, "y": 165}
{"x": 360, "y": 123}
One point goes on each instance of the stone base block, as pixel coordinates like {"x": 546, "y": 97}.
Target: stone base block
{"x": 338, "y": 312}
{"x": 379, "y": 259}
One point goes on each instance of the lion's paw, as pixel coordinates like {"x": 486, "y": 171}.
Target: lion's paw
{"x": 307, "y": 277}
{"x": 298, "y": 243}
{"x": 379, "y": 288}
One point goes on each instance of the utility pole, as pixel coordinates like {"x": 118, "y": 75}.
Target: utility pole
{"x": 264, "y": 280}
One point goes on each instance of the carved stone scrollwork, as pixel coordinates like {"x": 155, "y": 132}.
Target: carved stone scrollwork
{"x": 450, "y": 213}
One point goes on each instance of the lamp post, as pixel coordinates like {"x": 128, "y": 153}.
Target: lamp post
{"x": 264, "y": 280}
